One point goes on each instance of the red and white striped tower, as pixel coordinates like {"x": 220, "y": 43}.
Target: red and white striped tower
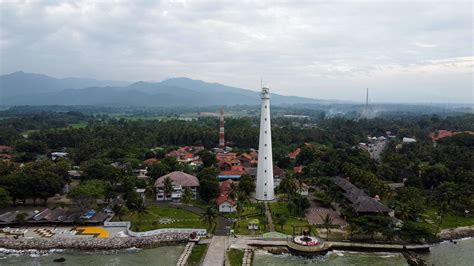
{"x": 221, "y": 130}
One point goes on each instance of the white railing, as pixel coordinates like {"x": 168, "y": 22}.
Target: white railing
{"x": 126, "y": 224}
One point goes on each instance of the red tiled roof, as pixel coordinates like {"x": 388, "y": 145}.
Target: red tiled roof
{"x": 298, "y": 169}
{"x": 440, "y": 134}
{"x": 151, "y": 161}
{"x": 225, "y": 185}
{"x": 5, "y": 148}
{"x": 223, "y": 198}
{"x": 179, "y": 179}
{"x": 293, "y": 154}
{"x": 188, "y": 155}
{"x": 226, "y": 156}
{"x": 5, "y": 156}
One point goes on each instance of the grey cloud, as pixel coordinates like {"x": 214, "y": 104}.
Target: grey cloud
{"x": 321, "y": 49}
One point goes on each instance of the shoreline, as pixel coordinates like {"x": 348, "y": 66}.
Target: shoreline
{"x": 93, "y": 243}
{"x": 456, "y": 233}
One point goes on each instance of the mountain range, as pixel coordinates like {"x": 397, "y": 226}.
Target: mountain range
{"x": 20, "y": 88}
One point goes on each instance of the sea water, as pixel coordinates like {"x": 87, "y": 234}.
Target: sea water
{"x": 443, "y": 254}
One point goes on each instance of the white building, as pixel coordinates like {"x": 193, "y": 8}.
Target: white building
{"x": 408, "y": 140}
{"x": 180, "y": 182}
{"x": 265, "y": 188}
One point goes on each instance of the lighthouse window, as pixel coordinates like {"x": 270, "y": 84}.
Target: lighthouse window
{"x": 265, "y": 119}
{"x": 265, "y": 145}
{"x": 265, "y": 158}
{"x": 265, "y": 132}
{"x": 265, "y": 106}
{"x": 265, "y": 171}
{"x": 265, "y": 184}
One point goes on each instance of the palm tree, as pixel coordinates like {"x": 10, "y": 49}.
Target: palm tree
{"x": 281, "y": 220}
{"x": 288, "y": 184}
{"x": 187, "y": 195}
{"x": 118, "y": 210}
{"x": 209, "y": 217}
{"x": 140, "y": 208}
{"x": 261, "y": 208}
{"x": 327, "y": 223}
{"x": 168, "y": 186}
{"x": 20, "y": 217}
{"x": 233, "y": 191}
{"x": 240, "y": 208}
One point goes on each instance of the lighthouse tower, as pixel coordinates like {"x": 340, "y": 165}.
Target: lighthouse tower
{"x": 264, "y": 189}
{"x": 221, "y": 130}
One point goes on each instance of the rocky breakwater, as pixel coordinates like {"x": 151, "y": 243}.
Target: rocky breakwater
{"x": 81, "y": 243}
{"x": 456, "y": 233}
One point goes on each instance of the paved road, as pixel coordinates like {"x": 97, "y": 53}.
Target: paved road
{"x": 271, "y": 227}
{"x": 223, "y": 226}
{"x": 377, "y": 150}
{"x": 215, "y": 255}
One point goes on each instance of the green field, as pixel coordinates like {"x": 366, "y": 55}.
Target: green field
{"x": 281, "y": 208}
{"x": 197, "y": 254}
{"x": 150, "y": 220}
{"x": 235, "y": 257}
{"x": 450, "y": 220}
{"x": 241, "y": 227}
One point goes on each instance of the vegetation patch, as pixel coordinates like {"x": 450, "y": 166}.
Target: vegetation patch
{"x": 151, "y": 219}
{"x": 235, "y": 256}
{"x": 197, "y": 254}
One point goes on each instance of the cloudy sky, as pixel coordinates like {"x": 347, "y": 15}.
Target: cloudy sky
{"x": 404, "y": 51}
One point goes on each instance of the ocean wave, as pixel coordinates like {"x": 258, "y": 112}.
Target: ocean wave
{"x": 34, "y": 253}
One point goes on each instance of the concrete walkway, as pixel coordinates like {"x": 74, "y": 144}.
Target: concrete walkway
{"x": 215, "y": 255}
{"x": 271, "y": 227}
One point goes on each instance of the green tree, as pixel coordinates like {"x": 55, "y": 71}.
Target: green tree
{"x": 86, "y": 194}
{"x": 5, "y": 198}
{"x": 140, "y": 209}
{"x": 209, "y": 217}
{"x": 246, "y": 184}
{"x": 208, "y": 158}
{"x": 20, "y": 217}
{"x": 327, "y": 223}
{"x": 208, "y": 188}
{"x": 167, "y": 187}
{"x": 119, "y": 210}
{"x": 281, "y": 221}
{"x": 187, "y": 195}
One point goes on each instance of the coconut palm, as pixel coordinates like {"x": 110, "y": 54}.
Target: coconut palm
{"x": 140, "y": 209}
{"x": 209, "y": 217}
{"x": 20, "y": 217}
{"x": 187, "y": 195}
{"x": 288, "y": 184}
{"x": 168, "y": 186}
{"x": 327, "y": 223}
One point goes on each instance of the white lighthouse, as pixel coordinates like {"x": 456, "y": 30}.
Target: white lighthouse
{"x": 264, "y": 189}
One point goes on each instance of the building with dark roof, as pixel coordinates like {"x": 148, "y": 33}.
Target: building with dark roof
{"x": 361, "y": 202}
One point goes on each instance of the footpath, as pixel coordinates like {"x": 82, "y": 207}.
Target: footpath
{"x": 215, "y": 255}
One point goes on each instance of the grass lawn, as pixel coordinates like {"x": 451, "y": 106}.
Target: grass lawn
{"x": 235, "y": 257}
{"x": 149, "y": 221}
{"x": 281, "y": 208}
{"x": 449, "y": 221}
{"x": 241, "y": 227}
{"x": 197, "y": 254}
{"x": 248, "y": 209}
{"x": 201, "y": 204}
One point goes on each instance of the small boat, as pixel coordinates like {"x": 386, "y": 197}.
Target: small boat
{"x": 59, "y": 260}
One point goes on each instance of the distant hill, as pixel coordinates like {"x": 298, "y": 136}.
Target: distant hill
{"x": 21, "y": 88}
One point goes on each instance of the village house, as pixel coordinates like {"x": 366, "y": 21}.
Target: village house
{"x": 180, "y": 181}
{"x": 224, "y": 202}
